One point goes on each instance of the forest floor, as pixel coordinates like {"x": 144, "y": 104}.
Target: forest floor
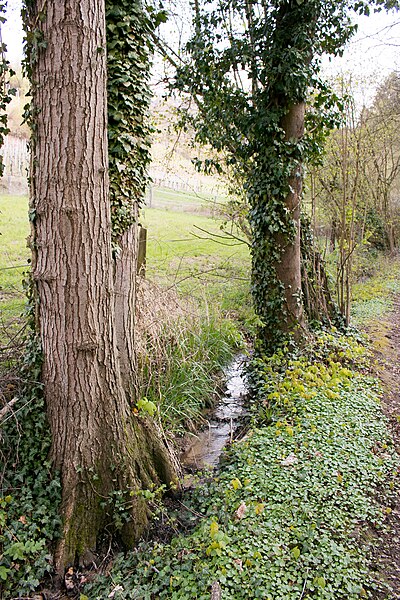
{"x": 384, "y": 334}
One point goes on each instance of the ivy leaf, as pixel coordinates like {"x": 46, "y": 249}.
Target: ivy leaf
{"x": 259, "y": 508}
{"x": 4, "y": 573}
{"x": 296, "y": 552}
{"x": 213, "y": 529}
{"x": 236, "y": 483}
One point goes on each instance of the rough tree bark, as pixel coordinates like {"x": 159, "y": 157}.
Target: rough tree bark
{"x": 97, "y": 447}
{"x": 125, "y": 298}
{"x": 288, "y": 269}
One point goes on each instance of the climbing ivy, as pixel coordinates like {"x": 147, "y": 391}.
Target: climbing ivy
{"x": 248, "y": 64}
{"x": 129, "y": 27}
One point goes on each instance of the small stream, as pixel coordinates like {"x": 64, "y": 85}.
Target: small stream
{"x": 206, "y": 447}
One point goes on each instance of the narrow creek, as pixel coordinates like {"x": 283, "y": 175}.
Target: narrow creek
{"x": 205, "y": 448}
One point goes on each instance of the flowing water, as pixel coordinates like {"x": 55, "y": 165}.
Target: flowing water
{"x": 206, "y": 447}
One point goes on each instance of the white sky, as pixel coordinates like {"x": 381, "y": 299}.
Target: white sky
{"x": 370, "y": 56}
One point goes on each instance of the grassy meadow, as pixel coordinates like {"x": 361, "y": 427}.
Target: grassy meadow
{"x": 14, "y": 256}
{"x": 179, "y": 251}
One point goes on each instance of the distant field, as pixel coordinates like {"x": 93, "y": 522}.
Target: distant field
{"x": 14, "y": 255}
{"x": 183, "y": 251}
{"x": 183, "y": 201}
{"x": 204, "y": 268}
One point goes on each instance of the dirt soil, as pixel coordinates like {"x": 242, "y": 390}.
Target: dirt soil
{"x": 385, "y": 337}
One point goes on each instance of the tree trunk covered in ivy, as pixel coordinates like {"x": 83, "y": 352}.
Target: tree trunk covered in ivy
{"x": 102, "y": 453}
{"x": 128, "y": 64}
{"x": 275, "y": 219}
{"x": 250, "y": 83}
{"x": 276, "y": 253}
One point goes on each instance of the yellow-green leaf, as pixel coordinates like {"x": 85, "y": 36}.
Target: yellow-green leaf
{"x": 296, "y": 552}
{"x": 236, "y": 484}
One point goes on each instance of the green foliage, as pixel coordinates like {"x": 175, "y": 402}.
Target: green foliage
{"x": 249, "y": 64}
{"x": 29, "y": 519}
{"x": 373, "y": 298}
{"x": 183, "y": 378}
{"x": 283, "y": 519}
{"x": 128, "y": 63}
{"x": 146, "y": 406}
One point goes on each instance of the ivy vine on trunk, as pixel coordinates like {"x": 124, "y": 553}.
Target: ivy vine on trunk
{"x": 251, "y": 66}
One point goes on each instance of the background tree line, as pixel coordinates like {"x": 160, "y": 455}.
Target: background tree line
{"x": 354, "y": 192}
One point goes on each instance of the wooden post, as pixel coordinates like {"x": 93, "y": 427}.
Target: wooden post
{"x": 141, "y": 260}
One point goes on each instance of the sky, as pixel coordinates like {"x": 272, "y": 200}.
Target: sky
{"x": 372, "y": 54}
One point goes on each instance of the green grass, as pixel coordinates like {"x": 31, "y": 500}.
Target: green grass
{"x": 14, "y": 229}
{"x": 373, "y": 298}
{"x": 14, "y": 255}
{"x": 180, "y": 253}
{"x": 183, "y": 201}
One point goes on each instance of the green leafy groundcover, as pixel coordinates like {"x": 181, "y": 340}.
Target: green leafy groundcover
{"x": 288, "y": 515}
{"x": 30, "y": 493}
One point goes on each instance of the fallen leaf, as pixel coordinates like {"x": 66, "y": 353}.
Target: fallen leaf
{"x": 239, "y": 563}
{"x": 241, "y": 511}
{"x": 118, "y": 588}
{"x": 289, "y": 460}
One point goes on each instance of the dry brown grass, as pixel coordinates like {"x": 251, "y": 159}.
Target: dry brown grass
{"x": 158, "y": 310}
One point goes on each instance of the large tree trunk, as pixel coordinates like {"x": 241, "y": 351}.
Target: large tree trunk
{"x": 288, "y": 269}
{"x": 97, "y": 447}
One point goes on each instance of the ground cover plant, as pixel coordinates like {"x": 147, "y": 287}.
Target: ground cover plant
{"x": 30, "y": 491}
{"x": 373, "y": 297}
{"x": 289, "y": 514}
